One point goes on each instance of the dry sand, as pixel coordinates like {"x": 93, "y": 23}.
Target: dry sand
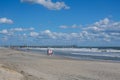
{"x": 18, "y": 65}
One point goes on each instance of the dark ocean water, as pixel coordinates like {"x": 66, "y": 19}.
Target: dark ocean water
{"x": 82, "y": 55}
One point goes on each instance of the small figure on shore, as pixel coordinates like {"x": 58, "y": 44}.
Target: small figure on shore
{"x": 49, "y": 52}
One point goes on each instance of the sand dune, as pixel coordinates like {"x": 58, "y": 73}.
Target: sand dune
{"x": 9, "y": 74}
{"x": 18, "y": 65}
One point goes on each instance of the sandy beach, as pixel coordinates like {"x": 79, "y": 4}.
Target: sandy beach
{"x": 18, "y": 65}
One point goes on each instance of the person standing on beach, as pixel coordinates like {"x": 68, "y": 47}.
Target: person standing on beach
{"x": 49, "y": 52}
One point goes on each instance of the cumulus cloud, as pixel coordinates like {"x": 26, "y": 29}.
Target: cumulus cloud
{"x": 34, "y": 34}
{"x": 72, "y": 26}
{"x": 5, "y": 20}
{"x": 105, "y": 21}
{"x": 47, "y": 34}
{"x": 49, "y": 4}
{"x": 104, "y": 31}
{"x": 21, "y": 29}
{"x": 12, "y": 31}
{"x": 63, "y": 26}
{"x": 4, "y": 31}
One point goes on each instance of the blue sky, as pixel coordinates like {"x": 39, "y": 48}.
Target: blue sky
{"x": 60, "y": 22}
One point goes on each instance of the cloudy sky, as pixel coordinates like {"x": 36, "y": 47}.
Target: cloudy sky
{"x": 60, "y": 22}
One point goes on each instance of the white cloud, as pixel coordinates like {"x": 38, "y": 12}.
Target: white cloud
{"x": 31, "y": 28}
{"x": 47, "y": 31}
{"x": 72, "y": 26}
{"x": 21, "y": 29}
{"x": 105, "y": 21}
{"x": 34, "y": 34}
{"x": 105, "y": 30}
{"x": 49, "y": 4}
{"x": 5, "y": 21}
{"x": 115, "y": 34}
{"x": 63, "y": 26}
{"x": 104, "y": 25}
{"x": 4, "y": 31}
{"x": 16, "y": 31}
{"x": 48, "y": 34}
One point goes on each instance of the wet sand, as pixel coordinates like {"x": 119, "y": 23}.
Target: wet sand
{"x": 18, "y": 65}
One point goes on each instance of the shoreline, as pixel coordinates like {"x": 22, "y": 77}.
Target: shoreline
{"x": 32, "y": 66}
{"x": 69, "y": 58}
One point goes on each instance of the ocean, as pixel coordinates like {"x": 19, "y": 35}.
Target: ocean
{"x": 81, "y": 53}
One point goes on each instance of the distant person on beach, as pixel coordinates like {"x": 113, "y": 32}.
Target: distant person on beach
{"x": 49, "y": 52}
